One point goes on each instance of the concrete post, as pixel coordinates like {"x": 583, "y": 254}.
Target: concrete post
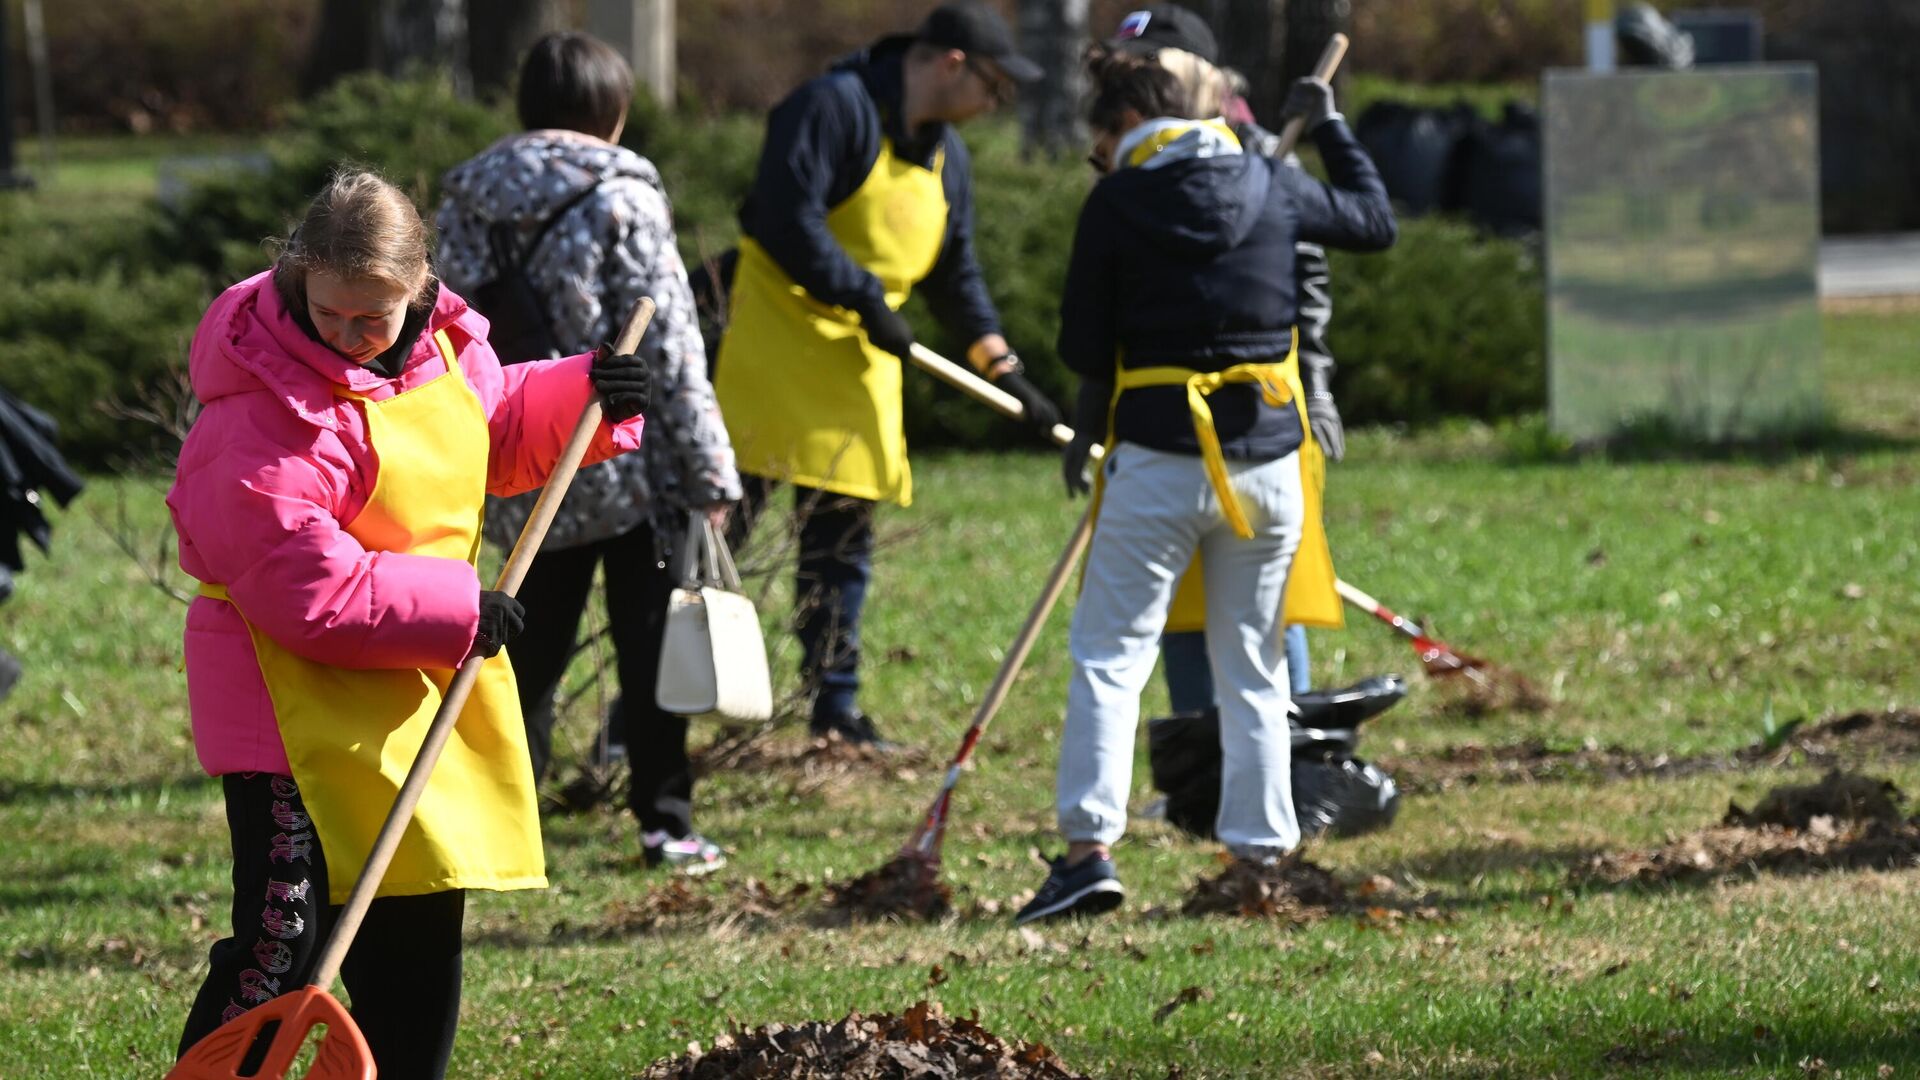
{"x": 643, "y": 32}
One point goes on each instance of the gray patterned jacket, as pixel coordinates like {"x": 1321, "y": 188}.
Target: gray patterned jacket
{"x": 611, "y": 248}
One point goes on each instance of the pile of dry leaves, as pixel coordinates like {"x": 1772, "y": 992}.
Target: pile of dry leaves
{"x": 1296, "y": 890}
{"x": 1292, "y": 888}
{"x": 905, "y": 888}
{"x": 924, "y": 1044}
{"x": 1844, "y": 822}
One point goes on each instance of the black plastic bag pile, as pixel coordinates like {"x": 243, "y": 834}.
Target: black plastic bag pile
{"x": 1453, "y": 161}
{"x": 1335, "y": 791}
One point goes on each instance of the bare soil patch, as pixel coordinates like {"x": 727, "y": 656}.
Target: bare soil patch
{"x": 922, "y": 1044}
{"x": 1844, "y": 822}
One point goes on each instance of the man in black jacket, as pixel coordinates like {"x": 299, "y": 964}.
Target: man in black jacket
{"x": 862, "y": 192}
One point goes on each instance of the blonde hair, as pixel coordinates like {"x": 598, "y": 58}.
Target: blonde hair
{"x": 359, "y": 227}
{"x": 1204, "y": 88}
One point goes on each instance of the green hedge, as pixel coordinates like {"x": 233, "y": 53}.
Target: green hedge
{"x": 1446, "y": 324}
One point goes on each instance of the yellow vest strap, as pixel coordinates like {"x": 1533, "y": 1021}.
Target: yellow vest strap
{"x": 1270, "y": 377}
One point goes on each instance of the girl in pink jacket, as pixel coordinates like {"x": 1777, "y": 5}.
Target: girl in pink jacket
{"x": 329, "y": 500}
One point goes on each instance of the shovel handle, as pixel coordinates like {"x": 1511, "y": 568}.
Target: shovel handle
{"x": 1330, "y": 58}
{"x": 455, "y": 699}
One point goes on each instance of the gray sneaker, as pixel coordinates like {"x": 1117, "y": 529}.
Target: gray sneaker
{"x": 1089, "y": 887}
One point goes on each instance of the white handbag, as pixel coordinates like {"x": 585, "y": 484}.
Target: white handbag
{"x": 713, "y": 659}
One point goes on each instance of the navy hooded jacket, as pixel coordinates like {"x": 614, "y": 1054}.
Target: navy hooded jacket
{"x": 822, "y": 141}
{"x": 1192, "y": 265}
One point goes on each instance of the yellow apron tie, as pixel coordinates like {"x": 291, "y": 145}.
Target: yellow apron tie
{"x": 1270, "y": 377}
{"x": 1311, "y": 599}
{"x": 352, "y": 734}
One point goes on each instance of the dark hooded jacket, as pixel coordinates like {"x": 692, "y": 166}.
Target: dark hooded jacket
{"x": 821, "y": 144}
{"x": 1191, "y": 264}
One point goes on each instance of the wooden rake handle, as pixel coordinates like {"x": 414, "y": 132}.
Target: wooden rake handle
{"x": 1330, "y": 58}
{"x": 511, "y": 575}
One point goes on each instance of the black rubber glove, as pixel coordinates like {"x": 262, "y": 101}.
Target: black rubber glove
{"x": 624, "y": 382}
{"x": 1311, "y": 98}
{"x": 889, "y": 331}
{"x": 1089, "y": 417}
{"x": 501, "y": 620}
{"x": 1323, "y": 416}
{"x": 1041, "y": 413}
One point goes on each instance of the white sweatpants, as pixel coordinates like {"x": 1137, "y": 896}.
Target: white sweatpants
{"x": 1158, "y": 509}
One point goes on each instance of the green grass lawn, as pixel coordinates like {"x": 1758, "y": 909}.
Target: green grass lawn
{"x": 1666, "y": 606}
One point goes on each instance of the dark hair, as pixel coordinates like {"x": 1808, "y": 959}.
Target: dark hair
{"x": 576, "y": 82}
{"x": 1123, "y": 82}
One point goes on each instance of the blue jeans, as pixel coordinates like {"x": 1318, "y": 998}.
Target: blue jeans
{"x": 1190, "y": 680}
{"x": 829, "y": 588}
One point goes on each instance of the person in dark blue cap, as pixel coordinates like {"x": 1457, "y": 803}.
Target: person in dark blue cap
{"x": 1180, "y": 41}
{"x": 862, "y": 193}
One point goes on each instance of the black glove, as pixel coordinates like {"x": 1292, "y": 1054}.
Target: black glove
{"x": 1041, "y": 413}
{"x": 1073, "y": 463}
{"x": 1323, "y": 416}
{"x": 1310, "y": 98}
{"x": 624, "y": 382}
{"x": 889, "y": 331}
{"x": 1089, "y": 417}
{"x": 501, "y": 620}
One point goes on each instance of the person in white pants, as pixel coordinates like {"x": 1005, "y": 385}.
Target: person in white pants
{"x": 1159, "y": 509}
{"x": 1179, "y": 313}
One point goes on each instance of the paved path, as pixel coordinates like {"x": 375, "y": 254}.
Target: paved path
{"x": 1887, "y": 265}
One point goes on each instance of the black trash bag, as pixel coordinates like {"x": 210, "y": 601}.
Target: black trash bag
{"x": 1646, "y": 39}
{"x": 1333, "y": 790}
{"x": 1417, "y": 151}
{"x": 1347, "y": 707}
{"x": 1342, "y": 795}
{"x": 1501, "y": 172}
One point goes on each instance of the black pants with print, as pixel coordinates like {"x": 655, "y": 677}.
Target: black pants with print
{"x": 402, "y": 973}
{"x": 639, "y": 584}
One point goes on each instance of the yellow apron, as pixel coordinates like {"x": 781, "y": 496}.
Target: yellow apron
{"x": 1310, "y": 599}
{"x": 808, "y": 399}
{"x": 351, "y": 734}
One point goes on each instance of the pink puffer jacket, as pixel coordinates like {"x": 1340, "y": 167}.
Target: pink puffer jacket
{"x": 275, "y": 467}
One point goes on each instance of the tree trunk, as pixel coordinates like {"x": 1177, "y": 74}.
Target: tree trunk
{"x": 1309, "y": 24}
{"x": 498, "y": 35}
{"x": 343, "y": 42}
{"x": 1052, "y": 34}
{"x": 426, "y": 33}
{"x": 1249, "y": 44}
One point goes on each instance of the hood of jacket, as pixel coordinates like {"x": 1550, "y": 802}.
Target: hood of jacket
{"x": 1188, "y": 186}
{"x": 249, "y": 342}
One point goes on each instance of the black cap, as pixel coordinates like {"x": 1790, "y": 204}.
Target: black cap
{"x": 1166, "y": 26}
{"x": 977, "y": 30}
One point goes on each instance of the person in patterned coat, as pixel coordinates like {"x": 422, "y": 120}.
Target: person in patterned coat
{"x": 595, "y": 233}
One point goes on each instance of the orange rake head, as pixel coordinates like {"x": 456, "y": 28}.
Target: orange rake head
{"x": 342, "y": 1053}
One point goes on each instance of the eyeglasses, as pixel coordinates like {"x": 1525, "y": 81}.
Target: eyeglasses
{"x": 999, "y": 87}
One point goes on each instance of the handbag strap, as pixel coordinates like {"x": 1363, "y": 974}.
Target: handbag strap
{"x": 708, "y": 560}
{"x": 726, "y": 573}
